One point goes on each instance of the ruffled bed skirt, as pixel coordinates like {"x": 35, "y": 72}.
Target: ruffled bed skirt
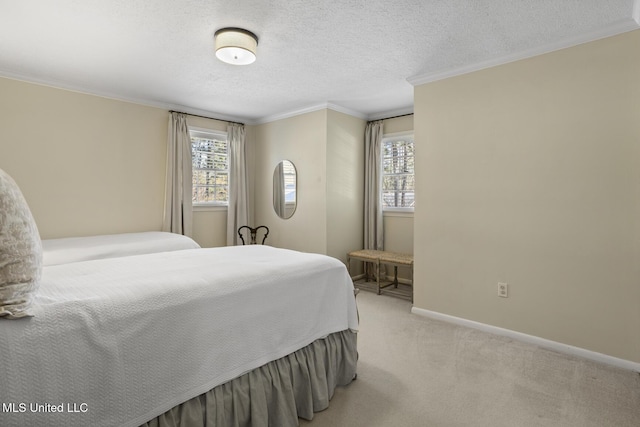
{"x": 275, "y": 394}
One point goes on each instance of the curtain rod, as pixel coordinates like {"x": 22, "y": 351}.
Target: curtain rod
{"x": 392, "y": 117}
{"x": 205, "y": 117}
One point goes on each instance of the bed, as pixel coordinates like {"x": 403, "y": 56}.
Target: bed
{"x": 150, "y": 329}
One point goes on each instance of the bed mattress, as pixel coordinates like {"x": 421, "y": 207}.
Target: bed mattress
{"x": 75, "y": 249}
{"x": 119, "y": 341}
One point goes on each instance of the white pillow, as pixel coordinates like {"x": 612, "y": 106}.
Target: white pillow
{"x": 20, "y": 252}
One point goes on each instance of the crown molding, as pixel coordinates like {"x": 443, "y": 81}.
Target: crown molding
{"x": 616, "y": 28}
{"x": 619, "y": 27}
{"x": 55, "y": 84}
{"x": 390, "y": 114}
{"x": 129, "y": 99}
{"x": 213, "y": 115}
{"x": 288, "y": 114}
{"x": 177, "y": 107}
{"x": 330, "y": 106}
{"x": 346, "y": 110}
{"x": 309, "y": 109}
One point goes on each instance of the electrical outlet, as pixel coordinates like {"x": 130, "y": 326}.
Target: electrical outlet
{"x": 503, "y": 290}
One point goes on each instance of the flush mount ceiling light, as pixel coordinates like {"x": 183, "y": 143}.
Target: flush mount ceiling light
{"x": 236, "y": 46}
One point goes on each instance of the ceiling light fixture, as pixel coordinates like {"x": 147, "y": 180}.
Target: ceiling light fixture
{"x": 236, "y": 46}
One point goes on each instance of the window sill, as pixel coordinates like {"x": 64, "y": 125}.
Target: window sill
{"x": 210, "y": 208}
{"x": 403, "y": 213}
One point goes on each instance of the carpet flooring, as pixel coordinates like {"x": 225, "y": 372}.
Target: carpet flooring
{"x": 414, "y": 371}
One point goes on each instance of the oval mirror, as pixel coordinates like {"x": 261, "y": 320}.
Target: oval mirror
{"x": 284, "y": 189}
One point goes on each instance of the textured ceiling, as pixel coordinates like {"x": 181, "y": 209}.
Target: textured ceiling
{"x": 355, "y": 55}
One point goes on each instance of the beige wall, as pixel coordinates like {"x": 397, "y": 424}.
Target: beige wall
{"x": 529, "y": 173}
{"x": 327, "y": 148}
{"x": 91, "y": 165}
{"x": 345, "y": 184}
{"x": 302, "y": 140}
{"x": 398, "y": 237}
{"x": 210, "y": 227}
{"x": 86, "y": 164}
{"x": 398, "y": 124}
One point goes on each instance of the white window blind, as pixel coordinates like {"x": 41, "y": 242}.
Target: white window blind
{"x": 210, "y": 161}
{"x": 398, "y": 180}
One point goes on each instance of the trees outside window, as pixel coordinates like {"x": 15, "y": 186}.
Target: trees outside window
{"x": 210, "y": 161}
{"x": 398, "y": 180}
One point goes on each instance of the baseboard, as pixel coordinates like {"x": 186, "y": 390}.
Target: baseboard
{"x": 531, "y": 339}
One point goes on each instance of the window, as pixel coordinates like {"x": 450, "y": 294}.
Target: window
{"x": 289, "y": 174}
{"x": 210, "y": 160}
{"x": 398, "y": 181}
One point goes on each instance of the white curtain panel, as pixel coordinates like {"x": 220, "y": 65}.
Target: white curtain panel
{"x": 373, "y": 226}
{"x": 178, "y": 205}
{"x": 238, "y": 211}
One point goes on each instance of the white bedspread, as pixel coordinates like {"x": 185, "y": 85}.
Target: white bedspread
{"x": 75, "y": 249}
{"x": 116, "y": 342}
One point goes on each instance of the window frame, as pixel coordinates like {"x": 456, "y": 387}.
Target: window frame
{"x": 219, "y": 135}
{"x": 392, "y": 210}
